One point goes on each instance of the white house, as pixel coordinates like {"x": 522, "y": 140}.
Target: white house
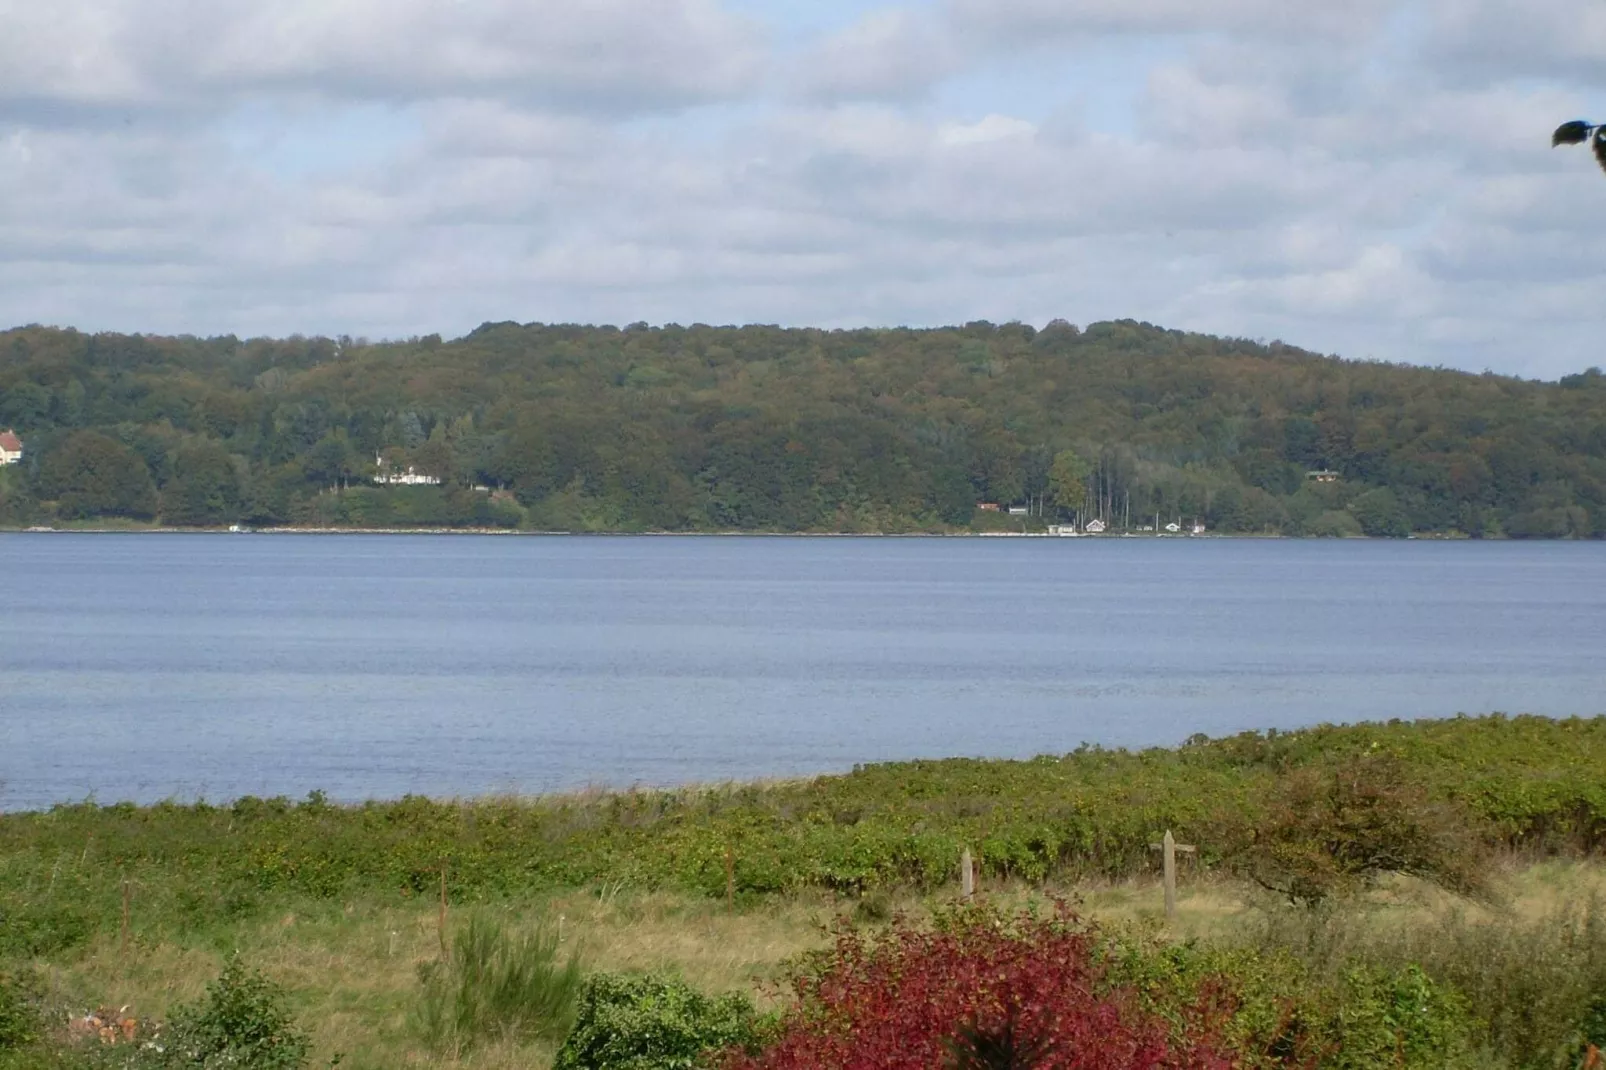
{"x": 1173, "y": 528}
{"x": 1198, "y": 527}
{"x": 1019, "y": 510}
{"x": 410, "y": 478}
{"x": 1095, "y": 527}
{"x": 10, "y": 447}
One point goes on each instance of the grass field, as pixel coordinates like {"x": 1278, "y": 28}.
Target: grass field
{"x": 352, "y": 968}
{"x": 339, "y": 904}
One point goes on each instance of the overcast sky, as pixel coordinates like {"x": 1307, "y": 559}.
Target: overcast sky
{"x": 1371, "y": 178}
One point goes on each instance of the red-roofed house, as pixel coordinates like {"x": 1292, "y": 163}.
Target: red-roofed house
{"x": 10, "y": 447}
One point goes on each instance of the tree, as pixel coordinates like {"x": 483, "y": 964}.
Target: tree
{"x": 205, "y": 488}
{"x": 1067, "y": 479}
{"x": 90, "y": 475}
{"x": 1379, "y": 512}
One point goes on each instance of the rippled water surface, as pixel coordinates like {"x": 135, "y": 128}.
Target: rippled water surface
{"x": 147, "y": 666}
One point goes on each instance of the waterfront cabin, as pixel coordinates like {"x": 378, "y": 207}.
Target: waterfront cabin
{"x": 10, "y": 447}
{"x": 1323, "y": 475}
{"x": 410, "y": 478}
{"x": 1095, "y": 527}
{"x": 987, "y": 507}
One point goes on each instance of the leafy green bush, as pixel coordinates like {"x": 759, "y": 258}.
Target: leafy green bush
{"x": 653, "y": 1023}
{"x": 1530, "y": 987}
{"x": 243, "y": 1022}
{"x": 496, "y": 984}
{"x": 1272, "y": 1003}
{"x": 1331, "y": 832}
{"x": 35, "y": 931}
{"x": 1535, "y": 983}
{"x": 20, "y": 1018}
{"x": 1399, "y": 1018}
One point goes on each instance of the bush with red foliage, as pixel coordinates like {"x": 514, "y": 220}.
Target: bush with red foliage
{"x": 978, "y": 991}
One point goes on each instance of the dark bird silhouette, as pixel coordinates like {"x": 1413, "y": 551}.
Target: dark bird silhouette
{"x": 1577, "y": 132}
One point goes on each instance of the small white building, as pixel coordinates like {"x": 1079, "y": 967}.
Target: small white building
{"x": 1198, "y": 527}
{"x": 1173, "y": 528}
{"x": 1019, "y": 510}
{"x": 1095, "y": 527}
{"x": 10, "y": 447}
{"x": 410, "y": 478}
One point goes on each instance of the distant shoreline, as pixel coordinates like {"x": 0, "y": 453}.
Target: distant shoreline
{"x": 725, "y": 534}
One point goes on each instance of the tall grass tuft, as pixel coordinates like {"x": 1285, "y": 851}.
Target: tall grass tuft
{"x": 1536, "y": 986}
{"x": 498, "y": 985}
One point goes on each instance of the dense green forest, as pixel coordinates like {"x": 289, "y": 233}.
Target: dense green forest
{"x": 555, "y": 427}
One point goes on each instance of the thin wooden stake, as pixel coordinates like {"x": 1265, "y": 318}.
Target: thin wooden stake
{"x": 442, "y": 921}
{"x": 128, "y": 902}
{"x": 967, "y": 875}
{"x": 730, "y": 878}
{"x": 1168, "y": 849}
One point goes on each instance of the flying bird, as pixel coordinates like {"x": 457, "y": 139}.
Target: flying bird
{"x": 1577, "y": 132}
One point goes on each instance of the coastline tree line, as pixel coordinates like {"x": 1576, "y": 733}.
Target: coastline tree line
{"x": 561, "y": 427}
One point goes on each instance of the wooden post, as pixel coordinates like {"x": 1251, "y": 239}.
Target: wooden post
{"x": 730, "y": 878}
{"x": 128, "y": 902}
{"x": 1168, "y": 851}
{"x": 967, "y": 875}
{"x": 1168, "y": 848}
{"x": 441, "y": 923}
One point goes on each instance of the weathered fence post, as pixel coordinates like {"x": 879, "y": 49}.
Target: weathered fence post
{"x": 1168, "y": 851}
{"x": 967, "y": 875}
{"x": 730, "y": 878}
{"x": 1168, "y": 848}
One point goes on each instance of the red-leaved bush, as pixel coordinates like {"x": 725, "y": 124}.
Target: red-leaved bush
{"x": 979, "y": 991}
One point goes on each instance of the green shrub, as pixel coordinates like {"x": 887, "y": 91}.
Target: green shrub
{"x": 653, "y": 1023}
{"x": 20, "y": 1017}
{"x": 42, "y": 930}
{"x": 1527, "y": 783}
{"x": 242, "y": 1023}
{"x": 1531, "y": 985}
{"x": 1274, "y": 1001}
{"x": 1333, "y": 831}
{"x": 1535, "y": 983}
{"x": 1399, "y": 1018}
{"x": 498, "y": 985}
{"x": 873, "y": 907}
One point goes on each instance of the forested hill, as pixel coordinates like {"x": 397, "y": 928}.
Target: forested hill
{"x": 760, "y": 428}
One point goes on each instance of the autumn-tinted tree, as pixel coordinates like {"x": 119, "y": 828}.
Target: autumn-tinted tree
{"x": 204, "y": 488}
{"x": 91, "y": 475}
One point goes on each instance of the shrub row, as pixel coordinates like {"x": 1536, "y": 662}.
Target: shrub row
{"x": 1526, "y": 783}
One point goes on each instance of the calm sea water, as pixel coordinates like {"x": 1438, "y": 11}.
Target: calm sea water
{"x": 151, "y": 666}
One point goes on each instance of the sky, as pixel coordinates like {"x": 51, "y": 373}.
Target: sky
{"x": 1372, "y": 179}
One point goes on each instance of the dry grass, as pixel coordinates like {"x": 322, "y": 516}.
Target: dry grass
{"x": 353, "y": 969}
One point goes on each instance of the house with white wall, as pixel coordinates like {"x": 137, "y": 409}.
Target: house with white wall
{"x": 10, "y": 447}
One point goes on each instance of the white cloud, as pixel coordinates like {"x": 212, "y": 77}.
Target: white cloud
{"x": 1035, "y": 20}
{"x": 888, "y": 54}
{"x": 1390, "y": 195}
{"x": 609, "y": 55}
{"x": 989, "y": 128}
